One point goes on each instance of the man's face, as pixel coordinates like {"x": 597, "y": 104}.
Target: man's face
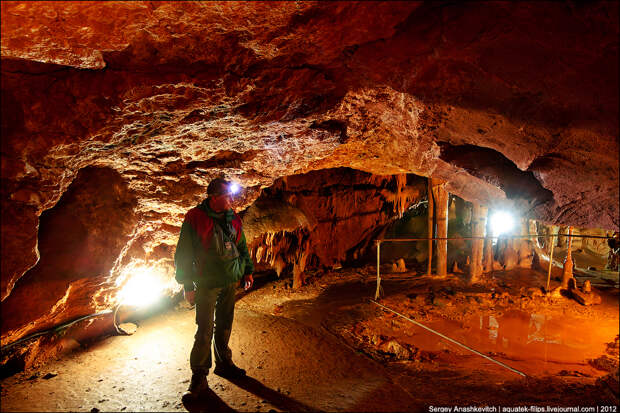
{"x": 221, "y": 202}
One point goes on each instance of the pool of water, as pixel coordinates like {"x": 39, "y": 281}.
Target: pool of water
{"x": 530, "y": 342}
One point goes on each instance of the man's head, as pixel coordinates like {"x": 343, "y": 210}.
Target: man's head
{"x": 220, "y": 193}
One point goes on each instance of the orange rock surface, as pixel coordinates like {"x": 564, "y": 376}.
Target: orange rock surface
{"x": 514, "y": 104}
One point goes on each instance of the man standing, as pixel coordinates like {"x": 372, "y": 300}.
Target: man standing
{"x": 210, "y": 259}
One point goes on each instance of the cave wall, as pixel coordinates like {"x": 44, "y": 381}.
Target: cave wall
{"x": 344, "y": 211}
{"x": 79, "y": 242}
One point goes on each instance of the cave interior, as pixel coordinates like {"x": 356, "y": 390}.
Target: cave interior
{"x": 429, "y": 193}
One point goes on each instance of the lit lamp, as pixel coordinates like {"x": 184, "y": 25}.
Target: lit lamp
{"x": 143, "y": 287}
{"x": 502, "y": 222}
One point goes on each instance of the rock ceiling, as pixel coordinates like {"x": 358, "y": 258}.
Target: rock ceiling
{"x": 513, "y": 104}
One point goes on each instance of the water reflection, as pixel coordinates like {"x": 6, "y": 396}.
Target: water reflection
{"x": 532, "y": 342}
{"x": 525, "y": 335}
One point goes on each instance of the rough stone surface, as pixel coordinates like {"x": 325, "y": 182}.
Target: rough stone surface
{"x": 343, "y": 211}
{"x": 514, "y": 104}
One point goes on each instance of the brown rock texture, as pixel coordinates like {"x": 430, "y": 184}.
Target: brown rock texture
{"x": 343, "y": 211}
{"x": 513, "y": 104}
{"x": 79, "y": 242}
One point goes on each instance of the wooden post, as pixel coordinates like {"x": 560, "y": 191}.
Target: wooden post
{"x": 567, "y": 272}
{"x": 488, "y": 247}
{"x": 441, "y": 207}
{"x": 431, "y": 207}
{"x": 478, "y": 223}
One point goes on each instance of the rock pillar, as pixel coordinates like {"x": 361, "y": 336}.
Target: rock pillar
{"x": 431, "y": 207}
{"x": 567, "y": 272}
{"x": 441, "y": 211}
{"x": 488, "y": 248}
{"x": 478, "y": 222}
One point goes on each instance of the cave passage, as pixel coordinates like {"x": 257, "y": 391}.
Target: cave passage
{"x": 312, "y": 329}
{"x": 456, "y": 162}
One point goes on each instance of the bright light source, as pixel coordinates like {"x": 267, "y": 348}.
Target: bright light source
{"x": 144, "y": 286}
{"x": 234, "y": 188}
{"x": 501, "y": 223}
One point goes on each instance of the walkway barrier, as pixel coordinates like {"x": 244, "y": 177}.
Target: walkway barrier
{"x": 450, "y": 339}
{"x": 378, "y": 291}
{"x": 530, "y": 236}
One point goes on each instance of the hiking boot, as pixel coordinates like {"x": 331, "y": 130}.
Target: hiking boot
{"x": 198, "y": 385}
{"x": 229, "y": 371}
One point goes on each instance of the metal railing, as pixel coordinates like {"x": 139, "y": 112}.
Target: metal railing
{"x": 529, "y": 236}
{"x": 377, "y": 293}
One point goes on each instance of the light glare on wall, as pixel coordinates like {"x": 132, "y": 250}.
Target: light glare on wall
{"x": 502, "y": 222}
{"x": 143, "y": 287}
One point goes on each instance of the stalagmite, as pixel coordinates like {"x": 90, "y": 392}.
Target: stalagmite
{"x": 510, "y": 255}
{"x": 524, "y": 246}
{"x": 567, "y": 272}
{"x": 478, "y": 223}
{"x": 441, "y": 206}
{"x": 300, "y": 264}
{"x": 488, "y": 248}
{"x": 431, "y": 207}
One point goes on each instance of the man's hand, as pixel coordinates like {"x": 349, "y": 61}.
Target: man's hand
{"x": 248, "y": 280}
{"x": 190, "y": 296}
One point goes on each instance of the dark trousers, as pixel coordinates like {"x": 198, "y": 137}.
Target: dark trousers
{"x": 209, "y": 302}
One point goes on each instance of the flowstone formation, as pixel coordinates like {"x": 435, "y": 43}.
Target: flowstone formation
{"x": 325, "y": 218}
{"x": 141, "y": 104}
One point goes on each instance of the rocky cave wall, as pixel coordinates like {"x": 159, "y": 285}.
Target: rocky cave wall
{"x": 514, "y": 105}
{"x": 91, "y": 240}
{"x": 343, "y": 212}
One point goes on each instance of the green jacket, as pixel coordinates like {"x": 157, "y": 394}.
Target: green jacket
{"x": 211, "y": 251}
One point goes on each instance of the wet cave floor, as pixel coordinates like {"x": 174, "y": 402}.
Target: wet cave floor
{"x": 327, "y": 347}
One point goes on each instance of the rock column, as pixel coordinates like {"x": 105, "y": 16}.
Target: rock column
{"x": 431, "y": 207}
{"x": 441, "y": 210}
{"x": 567, "y": 272}
{"x": 478, "y": 222}
{"x": 488, "y": 248}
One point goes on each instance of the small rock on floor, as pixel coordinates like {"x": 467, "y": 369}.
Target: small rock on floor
{"x": 128, "y": 328}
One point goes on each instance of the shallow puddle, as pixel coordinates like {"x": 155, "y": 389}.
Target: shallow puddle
{"x": 530, "y": 342}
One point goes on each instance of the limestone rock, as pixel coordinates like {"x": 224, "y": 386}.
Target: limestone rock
{"x": 399, "y": 266}
{"x": 116, "y": 116}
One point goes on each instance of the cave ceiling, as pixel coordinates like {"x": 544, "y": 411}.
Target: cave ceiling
{"x": 483, "y": 95}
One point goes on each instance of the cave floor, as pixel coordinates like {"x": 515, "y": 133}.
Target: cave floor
{"x": 328, "y": 347}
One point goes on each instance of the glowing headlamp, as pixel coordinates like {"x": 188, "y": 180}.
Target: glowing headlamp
{"x": 233, "y": 188}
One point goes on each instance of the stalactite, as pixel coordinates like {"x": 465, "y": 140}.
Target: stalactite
{"x": 279, "y": 249}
